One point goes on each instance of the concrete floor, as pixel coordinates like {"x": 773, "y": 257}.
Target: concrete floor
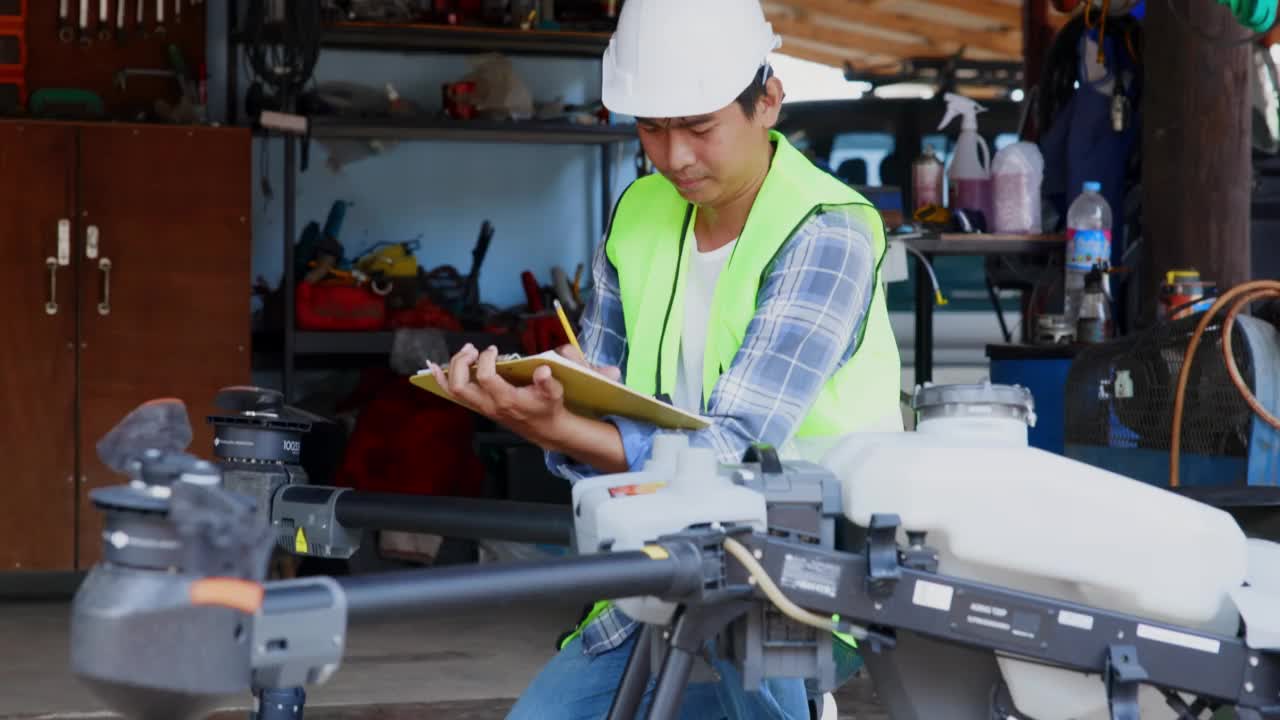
{"x": 470, "y": 668}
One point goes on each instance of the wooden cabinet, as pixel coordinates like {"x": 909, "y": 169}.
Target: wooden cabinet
{"x": 38, "y": 362}
{"x": 152, "y": 300}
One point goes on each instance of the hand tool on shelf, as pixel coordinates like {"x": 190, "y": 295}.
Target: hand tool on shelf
{"x": 471, "y": 293}
{"x": 85, "y": 38}
{"x": 66, "y": 31}
{"x": 576, "y": 287}
{"x": 123, "y": 75}
{"x": 104, "y": 19}
{"x": 532, "y": 293}
{"x": 560, "y": 288}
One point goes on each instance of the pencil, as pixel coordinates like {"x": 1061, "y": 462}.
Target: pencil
{"x": 568, "y": 329}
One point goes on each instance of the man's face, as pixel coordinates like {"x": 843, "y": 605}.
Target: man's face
{"x": 709, "y": 158}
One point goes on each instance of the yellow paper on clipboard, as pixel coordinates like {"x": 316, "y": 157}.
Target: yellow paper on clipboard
{"x": 586, "y": 392}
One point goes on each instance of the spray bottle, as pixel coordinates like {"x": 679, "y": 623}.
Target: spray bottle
{"x": 969, "y": 179}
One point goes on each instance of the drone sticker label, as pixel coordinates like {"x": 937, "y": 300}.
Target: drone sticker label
{"x": 1075, "y": 620}
{"x": 933, "y": 595}
{"x": 640, "y": 489}
{"x": 300, "y": 542}
{"x": 810, "y": 575}
{"x": 657, "y": 552}
{"x": 1181, "y": 639}
{"x": 990, "y": 618}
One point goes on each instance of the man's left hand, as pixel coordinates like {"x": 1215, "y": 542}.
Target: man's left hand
{"x": 534, "y": 411}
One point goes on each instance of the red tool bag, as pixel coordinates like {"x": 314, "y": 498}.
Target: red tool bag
{"x": 409, "y": 441}
{"x": 542, "y": 333}
{"x": 325, "y": 306}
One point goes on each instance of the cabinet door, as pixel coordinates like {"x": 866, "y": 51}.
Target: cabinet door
{"x": 165, "y": 297}
{"x": 38, "y": 362}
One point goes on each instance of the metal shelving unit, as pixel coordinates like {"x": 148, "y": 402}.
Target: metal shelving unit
{"x": 528, "y": 132}
{"x": 461, "y": 38}
{"x": 434, "y": 39}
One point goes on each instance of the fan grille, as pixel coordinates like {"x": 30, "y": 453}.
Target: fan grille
{"x": 1216, "y": 420}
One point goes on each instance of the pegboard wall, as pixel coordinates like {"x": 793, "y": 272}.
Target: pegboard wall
{"x": 64, "y": 54}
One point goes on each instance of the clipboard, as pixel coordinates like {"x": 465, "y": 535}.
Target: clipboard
{"x": 586, "y": 392}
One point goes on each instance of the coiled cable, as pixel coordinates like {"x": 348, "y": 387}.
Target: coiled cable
{"x": 1238, "y": 298}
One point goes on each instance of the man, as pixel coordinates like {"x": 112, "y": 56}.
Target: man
{"x": 740, "y": 282}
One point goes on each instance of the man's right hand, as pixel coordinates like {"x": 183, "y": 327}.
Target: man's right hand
{"x": 570, "y": 352}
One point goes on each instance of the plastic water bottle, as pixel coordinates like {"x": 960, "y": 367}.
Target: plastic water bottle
{"x": 1088, "y": 244}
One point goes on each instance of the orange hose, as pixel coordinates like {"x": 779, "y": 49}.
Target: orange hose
{"x": 1230, "y": 358}
{"x": 1247, "y": 290}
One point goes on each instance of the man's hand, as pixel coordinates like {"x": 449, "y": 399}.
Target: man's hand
{"x": 570, "y": 352}
{"x": 535, "y": 412}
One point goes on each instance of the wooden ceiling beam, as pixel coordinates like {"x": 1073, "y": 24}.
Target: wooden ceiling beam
{"x": 822, "y": 57}
{"x": 1009, "y": 16}
{"x": 1004, "y": 44}
{"x": 838, "y": 38}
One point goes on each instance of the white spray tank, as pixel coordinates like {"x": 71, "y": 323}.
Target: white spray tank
{"x": 969, "y": 178}
{"x": 679, "y": 486}
{"x": 1001, "y": 512}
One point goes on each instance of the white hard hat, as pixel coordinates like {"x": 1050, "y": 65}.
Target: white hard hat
{"x": 677, "y": 58}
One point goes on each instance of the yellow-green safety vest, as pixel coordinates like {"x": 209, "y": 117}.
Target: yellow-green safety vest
{"x": 650, "y": 242}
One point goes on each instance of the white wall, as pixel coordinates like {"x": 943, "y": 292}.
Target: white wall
{"x": 543, "y": 200}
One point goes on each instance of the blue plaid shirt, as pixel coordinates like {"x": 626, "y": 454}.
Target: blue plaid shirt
{"x": 809, "y": 311}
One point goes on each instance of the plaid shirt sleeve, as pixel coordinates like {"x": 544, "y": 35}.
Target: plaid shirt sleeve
{"x": 603, "y": 337}
{"x": 810, "y": 309}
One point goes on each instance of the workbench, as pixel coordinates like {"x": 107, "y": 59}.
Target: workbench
{"x": 979, "y": 244}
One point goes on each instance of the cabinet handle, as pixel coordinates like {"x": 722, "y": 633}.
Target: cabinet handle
{"x": 51, "y": 305}
{"x": 91, "y": 242}
{"x": 104, "y": 307}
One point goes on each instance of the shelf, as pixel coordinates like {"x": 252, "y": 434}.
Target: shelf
{"x": 342, "y": 343}
{"x": 464, "y": 39}
{"x": 418, "y": 37}
{"x": 528, "y": 132}
{"x": 379, "y": 342}
{"x": 983, "y": 244}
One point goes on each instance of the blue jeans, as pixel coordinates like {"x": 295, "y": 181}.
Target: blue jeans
{"x": 577, "y": 686}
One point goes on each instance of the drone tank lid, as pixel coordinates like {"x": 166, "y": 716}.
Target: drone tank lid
{"x": 930, "y": 397}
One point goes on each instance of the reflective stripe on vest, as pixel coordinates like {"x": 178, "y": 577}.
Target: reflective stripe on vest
{"x": 650, "y": 242}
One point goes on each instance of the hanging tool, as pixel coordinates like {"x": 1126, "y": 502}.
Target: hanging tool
{"x": 120, "y": 13}
{"x": 177, "y": 11}
{"x": 560, "y": 288}
{"x": 123, "y": 75}
{"x": 471, "y": 291}
{"x": 159, "y": 17}
{"x": 65, "y": 30}
{"x": 141, "y": 17}
{"x": 84, "y": 22}
{"x": 104, "y": 19}
{"x": 532, "y": 293}
{"x": 576, "y": 286}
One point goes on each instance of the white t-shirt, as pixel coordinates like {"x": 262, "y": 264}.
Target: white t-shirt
{"x": 699, "y": 290}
